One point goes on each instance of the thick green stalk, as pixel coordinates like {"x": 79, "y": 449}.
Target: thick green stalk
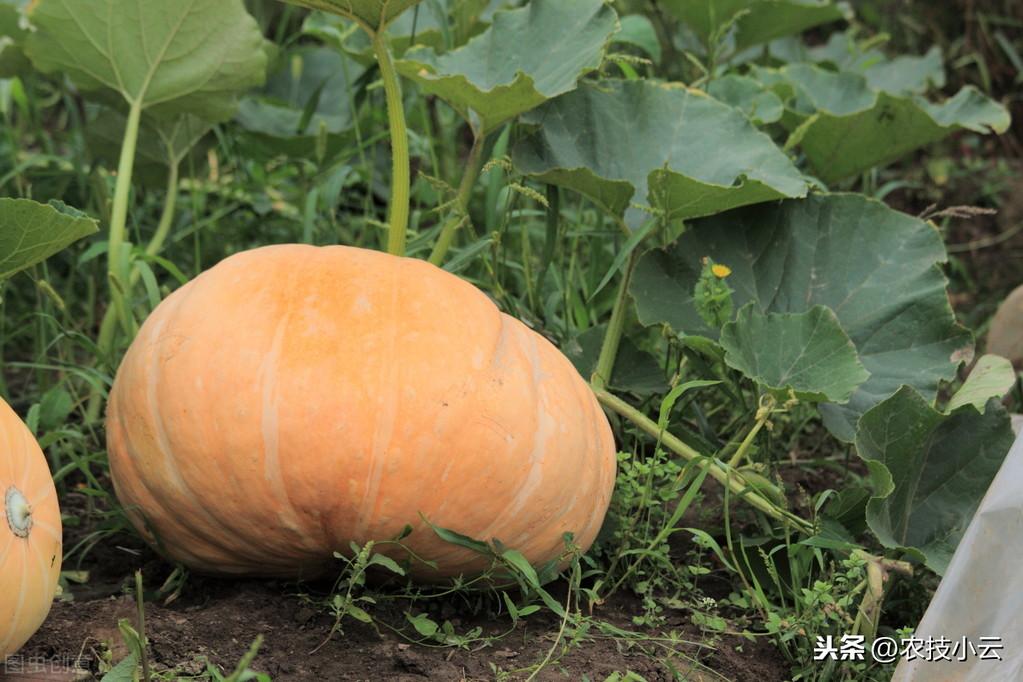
{"x": 728, "y": 477}
{"x": 613, "y": 337}
{"x": 472, "y": 172}
{"x": 401, "y": 175}
{"x": 117, "y": 256}
{"x": 108, "y": 326}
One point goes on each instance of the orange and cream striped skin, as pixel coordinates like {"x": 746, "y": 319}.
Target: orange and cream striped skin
{"x": 294, "y": 399}
{"x": 30, "y": 534}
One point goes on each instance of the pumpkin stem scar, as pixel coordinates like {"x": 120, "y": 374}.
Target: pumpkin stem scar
{"x": 18, "y": 512}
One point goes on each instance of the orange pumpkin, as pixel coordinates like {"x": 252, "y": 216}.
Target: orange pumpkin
{"x": 30, "y": 537}
{"x": 293, "y": 399}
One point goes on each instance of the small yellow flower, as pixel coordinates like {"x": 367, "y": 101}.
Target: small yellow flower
{"x": 720, "y": 271}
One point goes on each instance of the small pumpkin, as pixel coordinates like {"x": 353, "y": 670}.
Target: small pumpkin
{"x": 30, "y": 536}
{"x": 294, "y": 399}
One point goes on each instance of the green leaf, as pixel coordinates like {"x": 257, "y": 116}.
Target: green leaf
{"x": 31, "y": 232}
{"x": 635, "y": 371}
{"x": 875, "y": 268}
{"x": 123, "y": 671}
{"x": 386, "y": 562}
{"x": 639, "y": 31}
{"x": 685, "y": 153}
{"x": 806, "y": 352}
{"x": 521, "y": 564}
{"x": 312, "y": 89}
{"x": 992, "y": 377}
{"x": 846, "y": 127}
{"x": 525, "y": 58}
{"x": 764, "y": 20}
{"x": 461, "y": 540}
{"x": 929, "y": 471}
{"x": 423, "y": 624}
{"x": 439, "y": 24}
{"x": 167, "y": 57}
{"x": 903, "y": 75}
{"x": 373, "y": 15}
{"x": 161, "y": 143}
{"x": 760, "y": 104}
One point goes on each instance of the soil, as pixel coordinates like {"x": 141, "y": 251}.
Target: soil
{"x": 217, "y": 620}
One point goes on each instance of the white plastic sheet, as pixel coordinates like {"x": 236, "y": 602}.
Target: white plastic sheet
{"x": 981, "y": 594}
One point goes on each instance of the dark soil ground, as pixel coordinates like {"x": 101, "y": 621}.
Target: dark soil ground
{"x": 217, "y": 620}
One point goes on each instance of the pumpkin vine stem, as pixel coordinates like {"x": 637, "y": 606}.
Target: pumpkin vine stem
{"x": 473, "y": 165}
{"x": 722, "y": 472}
{"x": 117, "y": 255}
{"x": 613, "y": 337}
{"x": 401, "y": 175}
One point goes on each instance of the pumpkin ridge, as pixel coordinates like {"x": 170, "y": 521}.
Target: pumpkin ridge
{"x": 385, "y": 419}
{"x": 164, "y": 446}
{"x": 6, "y": 641}
{"x": 270, "y": 428}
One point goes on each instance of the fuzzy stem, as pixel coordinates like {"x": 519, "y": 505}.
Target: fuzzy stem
{"x": 613, "y": 338}
{"x": 724, "y": 474}
{"x": 472, "y": 172}
{"x": 401, "y": 178}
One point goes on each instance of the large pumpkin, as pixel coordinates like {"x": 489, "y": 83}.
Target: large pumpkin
{"x": 293, "y": 399}
{"x": 30, "y": 536}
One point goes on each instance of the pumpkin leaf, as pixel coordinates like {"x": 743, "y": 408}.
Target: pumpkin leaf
{"x": 929, "y": 471}
{"x": 760, "y": 104}
{"x": 639, "y": 31}
{"x": 526, "y": 57}
{"x": 992, "y": 377}
{"x": 31, "y": 232}
{"x": 373, "y": 15}
{"x": 620, "y": 142}
{"x": 873, "y": 267}
{"x": 635, "y": 371}
{"x": 844, "y": 126}
{"x": 167, "y": 58}
{"x": 439, "y": 24}
{"x": 310, "y": 91}
{"x": 808, "y": 352}
{"x": 161, "y": 144}
{"x": 760, "y": 20}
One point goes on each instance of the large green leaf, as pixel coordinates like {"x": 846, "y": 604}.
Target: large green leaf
{"x": 903, "y": 75}
{"x": 759, "y": 103}
{"x": 634, "y": 370}
{"x": 991, "y": 377}
{"x": 761, "y": 20}
{"x": 677, "y": 149}
{"x": 439, "y": 24}
{"x": 311, "y": 90}
{"x": 162, "y": 142}
{"x": 929, "y": 471}
{"x": 807, "y": 353}
{"x": 844, "y": 126}
{"x": 525, "y": 58}
{"x": 167, "y": 57}
{"x": 875, "y": 268}
{"x": 373, "y": 15}
{"x": 31, "y": 232}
